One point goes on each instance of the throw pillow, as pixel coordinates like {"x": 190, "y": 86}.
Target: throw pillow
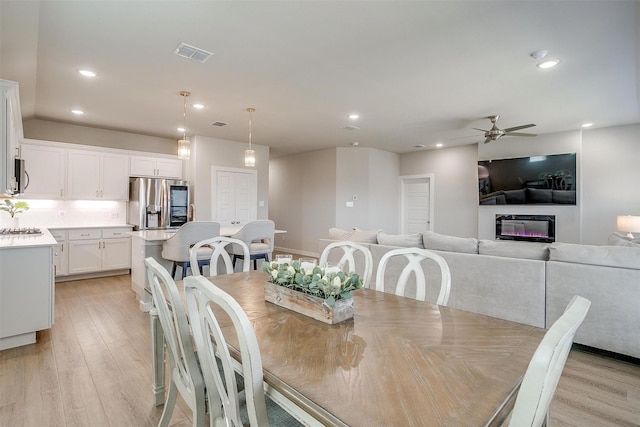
{"x": 402, "y": 240}
{"x": 441, "y": 242}
{"x": 364, "y": 236}
{"x": 339, "y": 234}
{"x": 608, "y": 256}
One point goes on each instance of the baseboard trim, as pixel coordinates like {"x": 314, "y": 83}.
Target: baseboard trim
{"x": 296, "y": 251}
{"x": 95, "y": 275}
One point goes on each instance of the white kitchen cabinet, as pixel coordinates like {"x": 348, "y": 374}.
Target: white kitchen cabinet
{"x": 26, "y": 294}
{"x": 10, "y": 133}
{"x": 46, "y": 169}
{"x": 97, "y": 176}
{"x": 156, "y": 167}
{"x": 60, "y": 252}
{"x": 97, "y": 250}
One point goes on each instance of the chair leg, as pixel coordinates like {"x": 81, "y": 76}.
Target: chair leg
{"x": 169, "y": 404}
{"x": 185, "y": 266}
{"x": 173, "y": 269}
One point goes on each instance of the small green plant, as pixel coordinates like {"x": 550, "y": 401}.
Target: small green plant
{"x": 14, "y": 208}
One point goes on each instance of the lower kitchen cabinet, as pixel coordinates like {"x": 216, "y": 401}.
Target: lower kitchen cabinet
{"x": 93, "y": 250}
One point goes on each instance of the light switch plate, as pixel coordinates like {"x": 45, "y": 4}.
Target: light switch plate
{"x": 349, "y": 204}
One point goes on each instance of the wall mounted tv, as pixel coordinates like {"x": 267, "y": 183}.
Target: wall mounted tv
{"x": 542, "y": 180}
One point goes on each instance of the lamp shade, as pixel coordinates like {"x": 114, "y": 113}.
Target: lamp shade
{"x": 184, "y": 149}
{"x": 250, "y": 158}
{"x": 629, "y": 224}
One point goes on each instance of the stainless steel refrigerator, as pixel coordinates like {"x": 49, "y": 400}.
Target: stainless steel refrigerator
{"x": 156, "y": 203}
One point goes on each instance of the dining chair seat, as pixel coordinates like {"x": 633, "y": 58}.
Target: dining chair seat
{"x": 177, "y": 247}
{"x": 259, "y": 237}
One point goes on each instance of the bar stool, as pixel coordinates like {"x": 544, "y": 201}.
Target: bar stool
{"x": 258, "y": 236}
{"x": 176, "y": 248}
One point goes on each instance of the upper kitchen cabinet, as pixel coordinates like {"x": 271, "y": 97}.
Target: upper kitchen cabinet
{"x": 10, "y": 134}
{"x": 156, "y": 167}
{"x": 97, "y": 176}
{"x": 45, "y": 166}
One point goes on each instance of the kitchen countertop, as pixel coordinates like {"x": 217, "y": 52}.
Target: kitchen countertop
{"x": 161, "y": 235}
{"x": 27, "y": 240}
{"x": 75, "y": 227}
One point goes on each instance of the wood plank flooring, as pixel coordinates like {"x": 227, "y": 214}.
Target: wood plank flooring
{"x": 93, "y": 368}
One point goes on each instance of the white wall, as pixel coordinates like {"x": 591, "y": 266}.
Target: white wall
{"x": 610, "y": 179}
{"x": 384, "y": 210}
{"x": 302, "y": 197}
{"x": 207, "y": 152}
{"x": 456, "y": 186}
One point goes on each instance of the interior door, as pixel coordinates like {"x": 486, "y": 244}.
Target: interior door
{"x": 235, "y": 196}
{"x": 417, "y": 204}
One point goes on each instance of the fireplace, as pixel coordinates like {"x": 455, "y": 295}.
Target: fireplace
{"x": 528, "y": 228}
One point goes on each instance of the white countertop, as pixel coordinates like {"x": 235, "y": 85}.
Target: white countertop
{"x": 27, "y": 240}
{"x": 74, "y": 227}
{"x": 161, "y": 235}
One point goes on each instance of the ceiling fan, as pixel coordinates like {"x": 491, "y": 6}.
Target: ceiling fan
{"x": 495, "y": 133}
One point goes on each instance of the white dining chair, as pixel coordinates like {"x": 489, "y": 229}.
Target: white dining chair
{"x": 349, "y": 251}
{"x": 414, "y": 256}
{"x": 543, "y": 374}
{"x": 204, "y": 299}
{"x": 176, "y": 248}
{"x": 218, "y": 247}
{"x": 185, "y": 375}
{"x": 259, "y": 237}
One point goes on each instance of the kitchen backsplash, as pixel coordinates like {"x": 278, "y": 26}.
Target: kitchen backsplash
{"x": 69, "y": 213}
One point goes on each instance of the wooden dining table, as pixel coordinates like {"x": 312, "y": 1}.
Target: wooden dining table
{"x": 399, "y": 361}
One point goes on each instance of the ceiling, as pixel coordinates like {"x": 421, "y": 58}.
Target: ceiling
{"x": 417, "y": 72}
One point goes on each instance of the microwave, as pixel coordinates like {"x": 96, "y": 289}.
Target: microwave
{"x": 21, "y": 177}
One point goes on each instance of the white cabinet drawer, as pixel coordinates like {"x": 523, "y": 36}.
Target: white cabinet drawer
{"x": 115, "y": 233}
{"x": 85, "y": 234}
{"x": 59, "y": 235}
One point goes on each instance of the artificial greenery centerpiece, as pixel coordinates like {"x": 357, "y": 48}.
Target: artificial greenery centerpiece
{"x": 14, "y": 208}
{"x": 330, "y": 286}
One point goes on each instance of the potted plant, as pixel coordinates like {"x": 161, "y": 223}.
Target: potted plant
{"x": 324, "y": 294}
{"x": 14, "y": 208}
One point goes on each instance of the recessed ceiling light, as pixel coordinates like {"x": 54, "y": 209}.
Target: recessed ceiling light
{"x": 181, "y": 129}
{"x": 355, "y": 144}
{"x": 77, "y": 112}
{"x": 548, "y": 63}
{"x": 353, "y": 116}
{"x": 439, "y": 144}
{"x": 198, "y": 106}
{"x": 586, "y": 125}
{"x": 87, "y": 73}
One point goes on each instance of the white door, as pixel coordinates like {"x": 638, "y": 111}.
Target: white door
{"x": 235, "y": 196}
{"x": 417, "y": 204}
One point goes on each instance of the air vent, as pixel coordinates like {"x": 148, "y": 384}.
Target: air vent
{"x": 192, "y": 52}
{"x": 419, "y": 146}
{"x": 350, "y": 127}
{"x": 219, "y": 124}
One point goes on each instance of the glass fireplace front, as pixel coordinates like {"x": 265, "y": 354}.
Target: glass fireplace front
{"x": 528, "y": 228}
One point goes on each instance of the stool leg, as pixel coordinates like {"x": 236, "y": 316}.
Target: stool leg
{"x": 173, "y": 270}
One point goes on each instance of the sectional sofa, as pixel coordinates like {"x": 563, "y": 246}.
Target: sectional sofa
{"x": 528, "y": 282}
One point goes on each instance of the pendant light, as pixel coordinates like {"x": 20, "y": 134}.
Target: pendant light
{"x": 250, "y": 155}
{"x": 184, "y": 146}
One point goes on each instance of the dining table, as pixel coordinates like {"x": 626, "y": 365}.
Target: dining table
{"x": 397, "y": 362}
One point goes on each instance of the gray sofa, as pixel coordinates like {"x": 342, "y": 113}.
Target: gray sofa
{"x": 530, "y": 283}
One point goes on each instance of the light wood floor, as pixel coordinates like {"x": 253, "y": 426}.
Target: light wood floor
{"x": 93, "y": 369}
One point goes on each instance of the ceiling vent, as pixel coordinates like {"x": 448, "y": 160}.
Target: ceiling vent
{"x": 350, "y": 127}
{"x": 192, "y": 52}
{"x": 219, "y": 124}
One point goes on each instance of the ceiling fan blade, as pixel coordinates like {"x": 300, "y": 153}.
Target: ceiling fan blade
{"x": 519, "y": 134}
{"x": 481, "y": 130}
{"x": 519, "y": 127}
{"x": 487, "y": 140}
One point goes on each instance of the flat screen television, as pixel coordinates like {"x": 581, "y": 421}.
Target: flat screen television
{"x": 546, "y": 180}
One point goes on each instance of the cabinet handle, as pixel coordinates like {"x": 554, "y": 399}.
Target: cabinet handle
{"x": 84, "y": 235}
{"x": 117, "y": 234}
{"x": 61, "y": 195}
{"x": 62, "y": 248}
{"x": 96, "y": 193}
{"x": 100, "y": 193}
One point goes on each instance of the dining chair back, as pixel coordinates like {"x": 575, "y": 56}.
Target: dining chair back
{"x": 259, "y": 237}
{"x": 204, "y": 302}
{"x": 413, "y": 258}
{"x": 546, "y": 366}
{"x": 349, "y": 253}
{"x": 185, "y": 375}
{"x": 176, "y": 248}
{"x": 218, "y": 247}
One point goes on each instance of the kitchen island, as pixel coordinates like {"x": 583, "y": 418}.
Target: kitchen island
{"x": 26, "y": 287}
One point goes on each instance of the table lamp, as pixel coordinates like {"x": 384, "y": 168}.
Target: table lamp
{"x": 629, "y": 224}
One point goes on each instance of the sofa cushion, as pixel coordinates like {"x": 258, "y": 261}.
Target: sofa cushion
{"x": 516, "y": 197}
{"x": 403, "y": 240}
{"x": 441, "y": 242}
{"x": 564, "y": 197}
{"x": 608, "y": 256}
{"x": 364, "y": 236}
{"x": 339, "y": 234}
{"x": 524, "y": 250}
{"x": 535, "y": 195}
